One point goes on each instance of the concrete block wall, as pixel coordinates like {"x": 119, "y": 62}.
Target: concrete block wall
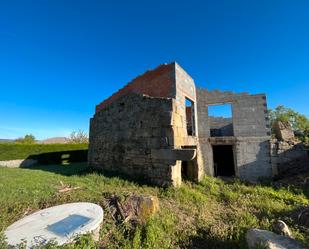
{"x": 204, "y": 131}
{"x": 217, "y": 97}
{"x": 250, "y": 116}
{"x": 222, "y": 126}
{"x": 250, "y": 128}
{"x": 253, "y": 158}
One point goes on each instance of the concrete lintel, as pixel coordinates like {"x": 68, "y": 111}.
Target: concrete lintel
{"x": 222, "y": 140}
{"x": 174, "y": 154}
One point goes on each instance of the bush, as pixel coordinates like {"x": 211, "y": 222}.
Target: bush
{"x": 27, "y": 139}
{"x": 78, "y": 137}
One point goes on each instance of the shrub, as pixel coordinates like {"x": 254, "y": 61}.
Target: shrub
{"x": 78, "y": 137}
{"x": 27, "y": 139}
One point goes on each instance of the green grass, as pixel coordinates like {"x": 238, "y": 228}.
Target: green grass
{"x": 10, "y": 151}
{"x": 211, "y": 214}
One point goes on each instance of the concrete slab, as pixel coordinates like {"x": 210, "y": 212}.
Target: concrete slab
{"x": 174, "y": 154}
{"x": 59, "y": 223}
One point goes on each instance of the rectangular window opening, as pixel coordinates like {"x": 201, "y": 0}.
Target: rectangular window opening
{"x": 220, "y": 120}
{"x": 190, "y": 117}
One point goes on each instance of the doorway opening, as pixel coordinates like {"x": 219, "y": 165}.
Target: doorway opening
{"x": 187, "y": 171}
{"x": 223, "y": 160}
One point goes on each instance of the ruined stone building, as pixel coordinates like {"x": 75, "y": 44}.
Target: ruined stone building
{"x": 157, "y": 128}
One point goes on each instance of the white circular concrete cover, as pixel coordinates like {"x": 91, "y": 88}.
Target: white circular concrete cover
{"x": 59, "y": 223}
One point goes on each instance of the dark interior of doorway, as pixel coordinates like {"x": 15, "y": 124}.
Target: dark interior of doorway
{"x": 223, "y": 160}
{"x": 187, "y": 170}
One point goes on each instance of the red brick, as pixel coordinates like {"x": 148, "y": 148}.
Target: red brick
{"x": 156, "y": 83}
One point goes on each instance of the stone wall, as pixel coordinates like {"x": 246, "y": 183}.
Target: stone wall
{"x": 283, "y": 131}
{"x": 123, "y": 134}
{"x": 145, "y": 136}
{"x": 289, "y": 156}
{"x": 185, "y": 88}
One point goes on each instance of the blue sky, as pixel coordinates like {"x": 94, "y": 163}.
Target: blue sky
{"x": 59, "y": 58}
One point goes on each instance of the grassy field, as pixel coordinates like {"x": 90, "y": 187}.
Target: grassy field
{"x": 10, "y": 151}
{"x": 211, "y": 214}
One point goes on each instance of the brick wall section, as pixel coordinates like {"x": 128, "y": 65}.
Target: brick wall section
{"x": 156, "y": 83}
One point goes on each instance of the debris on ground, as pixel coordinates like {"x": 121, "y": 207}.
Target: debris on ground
{"x": 130, "y": 209}
{"x": 137, "y": 208}
{"x": 66, "y": 188}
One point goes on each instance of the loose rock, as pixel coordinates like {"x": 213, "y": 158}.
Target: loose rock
{"x": 147, "y": 206}
{"x": 283, "y": 131}
{"x": 138, "y": 208}
{"x": 281, "y": 228}
{"x": 257, "y": 238}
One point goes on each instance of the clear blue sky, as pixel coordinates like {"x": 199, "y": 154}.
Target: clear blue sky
{"x": 59, "y": 58}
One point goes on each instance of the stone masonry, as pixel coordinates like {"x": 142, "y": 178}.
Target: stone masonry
{"x": 147, "y": 131}
{"x": 288, "y": 154}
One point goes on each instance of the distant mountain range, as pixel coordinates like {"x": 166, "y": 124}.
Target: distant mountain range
{"x": 52, "y": 140}
{"x": 6, "y": 140}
